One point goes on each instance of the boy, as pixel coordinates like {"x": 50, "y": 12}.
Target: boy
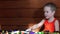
{"x": 50, "y": 22}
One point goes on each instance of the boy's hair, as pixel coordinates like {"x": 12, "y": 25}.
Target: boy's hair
{"x": 52, "y": 5}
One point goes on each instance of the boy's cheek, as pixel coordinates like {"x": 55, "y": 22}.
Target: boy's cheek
{"x": 47, "y": 16}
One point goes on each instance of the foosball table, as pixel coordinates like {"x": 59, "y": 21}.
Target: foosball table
{"x": 26, "y": 32}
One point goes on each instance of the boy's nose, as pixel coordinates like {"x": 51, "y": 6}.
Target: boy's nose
{"x": 45, "y": 14}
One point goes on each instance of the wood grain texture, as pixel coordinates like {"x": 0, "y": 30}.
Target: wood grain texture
{"x": 16, "y": 14}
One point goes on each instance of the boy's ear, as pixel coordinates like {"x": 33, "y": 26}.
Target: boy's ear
{"x": 53, "y": 12}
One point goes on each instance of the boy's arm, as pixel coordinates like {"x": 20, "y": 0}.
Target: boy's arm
{"x": 36, "y": 26}
{"x": 56, "y": 25}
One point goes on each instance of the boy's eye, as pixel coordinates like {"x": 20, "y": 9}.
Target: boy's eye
{"x": 47, "y": 11}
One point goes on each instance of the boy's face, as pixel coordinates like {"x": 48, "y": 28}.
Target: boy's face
{"x": 48, "y": 12}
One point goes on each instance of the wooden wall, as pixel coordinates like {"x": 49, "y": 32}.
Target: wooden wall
{"x": 16, "y": 14}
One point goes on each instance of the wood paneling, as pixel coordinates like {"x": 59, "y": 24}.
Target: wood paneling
{"x": 26, "y": 3}
{"x": 22, "y": 12}
{"x": 28, "y": 13}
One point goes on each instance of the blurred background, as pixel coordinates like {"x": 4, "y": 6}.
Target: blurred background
{"x": 22, "y": 14}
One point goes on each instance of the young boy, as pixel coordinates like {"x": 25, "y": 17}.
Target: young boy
{"x": 50, "y": 22}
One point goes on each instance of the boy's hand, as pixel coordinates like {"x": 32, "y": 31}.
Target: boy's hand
{"x": 36, "y": 26}
{"x": 28, "y": 29}
{"x": 32, "y": 28}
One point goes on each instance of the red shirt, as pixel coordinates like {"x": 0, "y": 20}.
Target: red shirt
{"x": 49, "y": 26}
